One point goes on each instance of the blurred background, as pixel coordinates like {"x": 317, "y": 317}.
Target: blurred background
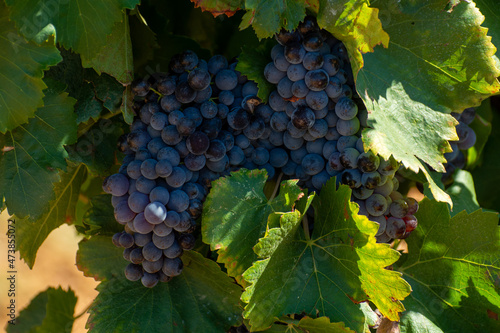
{"x": 55, "y": 266}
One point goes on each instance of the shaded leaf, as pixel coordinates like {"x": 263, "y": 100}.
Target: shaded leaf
{"x": 50, "y": 311}
{"x": 100, "y": 219}
{"x": 33, "y": 152}
{"x": 143, "y": 40}
{"x": 452, "y": 266}
{"x": 99, "y": 258}
{"x": 201, "y": 299}
{"x": 487, "y": 174}
{"x": 326, "y": 275}
{"x": 31, "y": 232}
{"x": 235, "y": 216}
{"x": 482, "y": 127}
{"x": 80, "y": 25}
{"x": 252, "y": 62}
{"x": 22, "y": 66}
{"x": 115, "y": 58}
{"x": 92, "y": 91}
{"x": 97, "y": 146}
{"x": 462, "y": 193}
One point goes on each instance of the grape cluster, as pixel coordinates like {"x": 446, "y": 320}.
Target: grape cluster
{"x": 176, "y": 147}
{"x": 466, "y": 139}
{"x": 317, "y": 121}
{"x": 202, "y": 120}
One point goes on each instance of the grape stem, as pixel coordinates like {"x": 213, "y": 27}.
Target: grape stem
{"x": 276, "y": 187}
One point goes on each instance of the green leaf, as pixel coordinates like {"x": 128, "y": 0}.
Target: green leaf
{"x": 32, "y": 232}
{"x": 201, "y": 299}
{"x": 356, "y": 24}
{"x": 491, "y": 12}
{"x": 216, "y": 7}
{"x": 411, "y": 132}
{"x": 326, "y": 275}
{"x": 482, "y": 127}
{"x": 308, "y": 324}
{"x": 143, "y": 40}
{"x": 268, "y": 17}
{"x": 414, "y": 322}
{"x": 453, "y": 58}
{"x": 50, "y": 311}
{"x": 323, "y": 325}
{"x": 462, "y": 193}
{"x": 452, "y": 266}
{"x": 487, "y": 174}
{"x": 115, "y": 58}
{"x": 235, "y": 216}
{"x": 22, "y": 66}
{"x": 97, "y": 146}
{"x": 100, "y": 219}
{"x": 99, "y": 258}
{"x": 252, "y": 62}
{"x": 92, "y": 91}
{"x": 33, "y": 151}
{"x": 80, "y": 25}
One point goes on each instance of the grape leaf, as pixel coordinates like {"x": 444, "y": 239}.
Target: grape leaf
{"x": 22, "y": 66}
{"x": 482, "y": 127}
{"x": 97, "y": 146}
{"x": 487, "y": 174}
{"x": 32, "y": 152}
{"x": 453, "y": 266}
{"x": 462, "y": 193}
{"x": 235, "y": 216}
{"x": 252, "y": 62}
{"x": 80, "y": 25}
{"x": 92, "y": 91}
{"x": 356, "y": 24}
{"x": 201, "y": 299}
{"x": 50, "y": 311}
{"x": 442, "y": 59}
{"x": 308, "y": 324}
{"x": 32, "y": 232}
{"x": 227, "y": 7}
{"x": 323, "y": 325}
{"x": 115, "y": 58}
{"x": 99, "y": 258}
{"x": 99, "y": 219}
{"x": 414, "y": 322}
{"x": 268, "y": 17}
{"x": 491, "y": 12}
{"x": 143, "y": 40}
{"x": 127, "y": 105}
{"x": 328, "y": 274}
{"x": 409, "y": 86}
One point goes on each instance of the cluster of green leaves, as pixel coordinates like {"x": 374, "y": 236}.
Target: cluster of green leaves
{"x": 66, "y": 98}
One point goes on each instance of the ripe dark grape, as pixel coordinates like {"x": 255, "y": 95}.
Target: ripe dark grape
{"x": 133, "y": 272}
{"x": 198, "y": 79}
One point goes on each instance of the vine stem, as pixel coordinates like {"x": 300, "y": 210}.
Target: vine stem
{"x": 305, "y": 225}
